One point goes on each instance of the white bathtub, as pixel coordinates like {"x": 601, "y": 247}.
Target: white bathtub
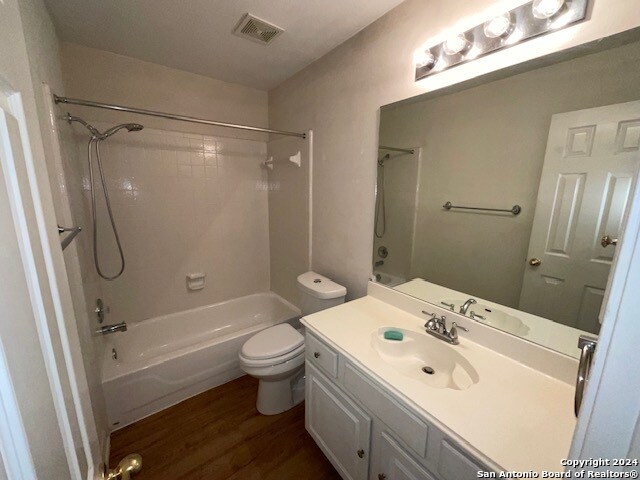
{"x": 164, "y": 360}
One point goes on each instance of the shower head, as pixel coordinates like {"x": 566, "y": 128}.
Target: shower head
{"x": 131, "y": 127}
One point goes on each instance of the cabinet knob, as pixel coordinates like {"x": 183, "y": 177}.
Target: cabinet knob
{"x": 361, "y": 453}
{"x": 382, "y": 476}
{"x": 316, "y": 354}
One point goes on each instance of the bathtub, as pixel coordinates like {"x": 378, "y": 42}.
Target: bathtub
{"x": 159, "y": 362}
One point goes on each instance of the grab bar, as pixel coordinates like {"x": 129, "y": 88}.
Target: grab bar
{"x": 516, "y": 209}
{"x": 73, "y": 232}
{"x": 587, "y": 346}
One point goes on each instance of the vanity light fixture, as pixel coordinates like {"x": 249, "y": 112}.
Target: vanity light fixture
{"x": 424, "y": 59}
{"x": 537, "y": 17}
{"x": 499, "y": 27}
{"x": 545, "y": 9}
{"x": 456, "y": 45}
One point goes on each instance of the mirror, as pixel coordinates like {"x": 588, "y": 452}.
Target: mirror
{"x": 504, "y": 200}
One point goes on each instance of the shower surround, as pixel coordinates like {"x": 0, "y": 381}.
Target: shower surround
{"x": 183, "y": 203}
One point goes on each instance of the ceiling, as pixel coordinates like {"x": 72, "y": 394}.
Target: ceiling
{"x": 196, "y": 35}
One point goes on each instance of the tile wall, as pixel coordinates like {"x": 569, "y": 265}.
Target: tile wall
{"x": 183, "y": 203}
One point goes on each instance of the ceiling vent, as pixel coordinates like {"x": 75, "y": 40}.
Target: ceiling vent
{"x": 257, "y": 30}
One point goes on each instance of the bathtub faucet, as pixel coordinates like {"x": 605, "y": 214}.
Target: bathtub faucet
{"x": 107, "y": 329}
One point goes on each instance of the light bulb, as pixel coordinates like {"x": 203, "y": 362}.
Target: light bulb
{"x": 455, "y": 45}
{"x": 424, "y": 58}
{"x": 500, "y": 26}
{"x": 544, "y": 9}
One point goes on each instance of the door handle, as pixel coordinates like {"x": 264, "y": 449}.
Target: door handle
{"x": 608, "y": 240}
{"x": 587, "y": 346}
{"x": 535, "y": 262}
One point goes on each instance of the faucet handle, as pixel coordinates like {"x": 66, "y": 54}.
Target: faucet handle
{"x": 453, "y": 333}
{"x": 475, "y": 316}
{"x": 455, "y": 326}
{"x": 432, "y": 323}
{"x": 450, "y": 306}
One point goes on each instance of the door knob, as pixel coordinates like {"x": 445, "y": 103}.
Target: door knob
{"x": 535, "y": 262}
{"x": 608, "y": 240}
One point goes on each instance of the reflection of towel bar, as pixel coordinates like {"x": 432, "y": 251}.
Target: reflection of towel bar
{"x": 73, "y": 232}
{"x": 516, "y": 209}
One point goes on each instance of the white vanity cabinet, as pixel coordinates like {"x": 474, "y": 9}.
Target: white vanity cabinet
{"x": 367, "y": 432}
{"x": 340, "y": 427}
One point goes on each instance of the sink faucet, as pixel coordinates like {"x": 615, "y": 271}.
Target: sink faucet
{"x": 465, "y": 306}
{"x": 107, "y": 329}
{"x": 438, "y": 328}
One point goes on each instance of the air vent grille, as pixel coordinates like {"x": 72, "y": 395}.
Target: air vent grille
{"x": 257, "y": 30}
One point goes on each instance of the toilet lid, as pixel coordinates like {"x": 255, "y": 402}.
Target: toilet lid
{"x": 272, "y": 342}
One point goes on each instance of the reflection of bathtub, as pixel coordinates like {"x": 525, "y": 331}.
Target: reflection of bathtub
{"x": 387, "y": 279}
{"x": 164, "y": 360}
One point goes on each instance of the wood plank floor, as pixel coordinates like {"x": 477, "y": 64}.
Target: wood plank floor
{"x": 219, "y": 434}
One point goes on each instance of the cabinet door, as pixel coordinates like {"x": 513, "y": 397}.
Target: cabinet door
{"x": 395, "y": 463}
{"x": 339, "y": 427}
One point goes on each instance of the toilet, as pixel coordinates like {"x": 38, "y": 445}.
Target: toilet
{"x": 275, "y": 356}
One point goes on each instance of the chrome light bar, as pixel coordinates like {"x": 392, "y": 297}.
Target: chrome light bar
{"x": 532, "y": 19}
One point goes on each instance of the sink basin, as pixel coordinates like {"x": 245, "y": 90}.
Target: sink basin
{"x": 425, "y": 359}
{"x": 494, "y": 317}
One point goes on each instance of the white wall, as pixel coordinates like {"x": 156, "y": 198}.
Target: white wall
{"x": 486, "y": 146}
{"x": 101, "y": 76}
{"x": 288, "y": 214}
{"x": 339, "y": 97}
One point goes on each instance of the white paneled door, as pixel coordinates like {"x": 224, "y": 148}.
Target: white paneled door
{"x": 587, "y": 180}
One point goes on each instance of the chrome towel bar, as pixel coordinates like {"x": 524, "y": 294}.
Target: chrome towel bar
{"x": 516, "y": 209}
{"x": 72, "y": 231}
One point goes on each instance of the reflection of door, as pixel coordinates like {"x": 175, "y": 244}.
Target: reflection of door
{"x": 587, "y": 179}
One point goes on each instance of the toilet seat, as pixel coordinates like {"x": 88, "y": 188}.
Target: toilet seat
{"x": 279, "y": 342}
{"x": 273, "y": 361}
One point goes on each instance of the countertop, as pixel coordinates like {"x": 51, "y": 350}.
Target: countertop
{"x": 517, "y": 417}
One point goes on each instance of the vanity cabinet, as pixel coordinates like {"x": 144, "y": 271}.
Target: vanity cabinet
{"x": 391, "y": 462}
{"x": 368, "y": 433}
{"x": 340, "y": 428}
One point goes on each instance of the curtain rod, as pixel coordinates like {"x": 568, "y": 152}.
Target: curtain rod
{"x": 171, "y": 116}
{"x": 394, "y": 149}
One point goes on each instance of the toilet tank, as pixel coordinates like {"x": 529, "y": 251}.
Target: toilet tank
{"x": 317, "y": 293}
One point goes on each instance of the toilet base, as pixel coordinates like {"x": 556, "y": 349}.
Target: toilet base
{"x": 275, "y": 397}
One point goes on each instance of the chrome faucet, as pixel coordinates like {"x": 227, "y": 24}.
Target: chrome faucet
{"x": 107, "y": 329}
{"x": 438, "y": 328}
{"x": 465, "y": 306}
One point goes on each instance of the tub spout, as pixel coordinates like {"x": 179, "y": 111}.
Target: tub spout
{"x": 107, "y": 329}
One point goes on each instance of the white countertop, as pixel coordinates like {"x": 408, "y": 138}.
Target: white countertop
{"x": 515, "y": 416}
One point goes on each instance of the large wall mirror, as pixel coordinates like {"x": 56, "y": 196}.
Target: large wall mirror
{"x": 503, "y": 200}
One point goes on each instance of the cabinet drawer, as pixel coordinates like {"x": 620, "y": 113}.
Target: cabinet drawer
{"x": 321, "y": 355}
{"x": 455, "y": 465}
{"x": 409, "y": 428}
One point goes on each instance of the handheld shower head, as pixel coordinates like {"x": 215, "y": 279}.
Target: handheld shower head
{"x": 131, "y": 127}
